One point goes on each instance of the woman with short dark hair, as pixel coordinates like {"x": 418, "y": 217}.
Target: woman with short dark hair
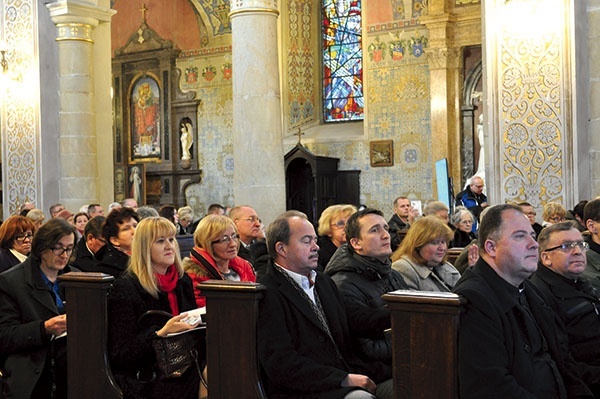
{"x": 32, "y": 316}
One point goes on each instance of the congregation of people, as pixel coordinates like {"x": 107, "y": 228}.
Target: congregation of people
{"x": 530, "y": 326}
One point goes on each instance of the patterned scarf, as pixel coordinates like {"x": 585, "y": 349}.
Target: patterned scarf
{"x": 167, "y": 283}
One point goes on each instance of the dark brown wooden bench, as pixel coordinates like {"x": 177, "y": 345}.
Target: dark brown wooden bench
{"x": 424, "y": 330}
{"x": 88, "y": 371}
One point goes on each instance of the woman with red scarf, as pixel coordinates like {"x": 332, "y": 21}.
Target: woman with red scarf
{"x": 215, "y": 255}
{"x": 154, "y": 280}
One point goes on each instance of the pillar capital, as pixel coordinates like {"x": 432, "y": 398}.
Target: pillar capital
{"x": 253, "y": 6}
{"x": 72, "y": 13}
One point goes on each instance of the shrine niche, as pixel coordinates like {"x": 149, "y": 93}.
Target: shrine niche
{"x": 155, "y": 128}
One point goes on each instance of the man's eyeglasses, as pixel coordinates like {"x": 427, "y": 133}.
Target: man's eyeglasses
{"x": 570, "y": 246}
{"x": 227, "y": 239}
{"x": 58, "y": 251}
{"x": 252, "y": 219}
{"x": 23, "y": 237}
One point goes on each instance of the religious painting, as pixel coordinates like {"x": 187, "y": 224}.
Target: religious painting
{"x": 382, "y": 153}
{"x": 145, "y": 115}
{"x": 136, "y": 187}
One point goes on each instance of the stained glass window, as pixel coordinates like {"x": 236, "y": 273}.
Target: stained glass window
{"x": 342, "y": 61}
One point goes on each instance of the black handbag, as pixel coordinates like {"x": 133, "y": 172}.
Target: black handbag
{"x": 176, "y": 353}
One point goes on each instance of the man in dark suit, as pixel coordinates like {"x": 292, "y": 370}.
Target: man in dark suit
{"x": 87, "y": 247}
{"x": 304, "y": 344}
{"x": 510, "y": 342}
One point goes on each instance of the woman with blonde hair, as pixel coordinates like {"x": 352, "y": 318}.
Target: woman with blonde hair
{"x": 332, "y": 231}
{"x": 37, "y": 217}
{"x": 154, "y": 280}
{"x": 215, "y": 255}
{"x": 421, "y": 258}
{"x": 552, "y": 213}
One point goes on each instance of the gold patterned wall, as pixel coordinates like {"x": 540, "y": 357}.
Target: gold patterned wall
{"x": 20, "y": 106}
{"x": 531, "y": 104}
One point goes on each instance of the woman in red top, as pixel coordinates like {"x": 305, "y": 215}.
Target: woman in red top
{"x": 214, "y": 256}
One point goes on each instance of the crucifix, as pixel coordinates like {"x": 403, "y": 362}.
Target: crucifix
{"x": 143, "y": 10}
{"x": 299, "y": 134}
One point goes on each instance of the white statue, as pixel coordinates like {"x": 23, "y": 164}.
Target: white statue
{"x": 481, "y": 164}
{"x": 186, "y": 140}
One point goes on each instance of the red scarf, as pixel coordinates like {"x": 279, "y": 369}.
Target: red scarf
{"x": 167, "y": 283}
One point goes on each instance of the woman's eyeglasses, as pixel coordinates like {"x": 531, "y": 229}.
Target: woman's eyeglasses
{"x": 24, "y": 236}
{"x": 58, "y": 251}
{"x": 227, "y": 239}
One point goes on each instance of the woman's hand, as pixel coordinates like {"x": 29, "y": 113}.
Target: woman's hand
{"x": 359, "y": 380}
{"x": 473, "y": 255}
{"x": 56, "y": 325}
{"x": 175, "y": 325}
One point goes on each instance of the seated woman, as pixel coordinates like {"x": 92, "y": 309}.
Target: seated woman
{"x": 154, "y": 280}
{"x": 16, "y": 234}
{"x": 552, "y": 213}
{"x": 118, "y": 231}
{"x": 462, "y": 219}
{"x": 332, "y": 231}
{"x": 79, "y": 221}
{"x": 37, "y": 217}
{"x": 32, "y": 316}
{"x": 215, "y": 255}
{"x": 420, "y": 259}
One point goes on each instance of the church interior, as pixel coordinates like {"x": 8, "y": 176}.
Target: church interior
{"x": 210, "y": 101}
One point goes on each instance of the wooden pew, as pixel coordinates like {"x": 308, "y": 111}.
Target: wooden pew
{"x": 88, "y": 371}
{"x": 424, "y": 341}
{"x": 231, "y": 319}
{"x": 424, "y": 331}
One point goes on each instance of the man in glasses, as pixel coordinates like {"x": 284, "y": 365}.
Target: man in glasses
{"x": 509, "y": 344}
{"x": 249, "y": 227}
{"x": 473, "y": 197}
{"x": 32, "y": 316}
{"x": 575, "y": 301}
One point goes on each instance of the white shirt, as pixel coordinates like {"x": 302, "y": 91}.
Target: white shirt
{"x": 303, "y": 281}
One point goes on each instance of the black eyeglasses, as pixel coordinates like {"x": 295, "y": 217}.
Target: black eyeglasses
{"x": 58, "y": 251}
{"x": 227, "y": 239}
{"x": 23, "y": 237}
{"x": 569, "y": 246}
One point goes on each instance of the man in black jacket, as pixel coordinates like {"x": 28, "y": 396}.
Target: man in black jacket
{"x": 89, "y": 245}
{"x": 510, "y": 344}
{"x": 304, "y": 345}
{"x": 400, "y": 221}
{"x": 572, "y": 297}
{"x": 362, "y": 271}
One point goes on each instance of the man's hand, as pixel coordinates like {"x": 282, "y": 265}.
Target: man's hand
{"x": 361, "y": 381}
{"x": 56, "y": 325}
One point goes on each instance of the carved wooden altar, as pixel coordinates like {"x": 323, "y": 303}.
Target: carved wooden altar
{"x": 156, "y": 125}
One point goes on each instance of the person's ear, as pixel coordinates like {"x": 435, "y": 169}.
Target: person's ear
{"x": 355, "y": 243}
{"x": 591, "y": 226}
{"x": 280, "y": 248}
{"x": 114, "y": 241}
{"x": 545, "y": 259}
{"x": 489, "y": 247}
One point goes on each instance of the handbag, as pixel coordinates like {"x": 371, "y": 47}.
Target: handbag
{"x": 177, "y": 352}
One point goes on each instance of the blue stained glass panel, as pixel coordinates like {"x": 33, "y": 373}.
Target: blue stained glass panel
{"x": 343, "y": 98}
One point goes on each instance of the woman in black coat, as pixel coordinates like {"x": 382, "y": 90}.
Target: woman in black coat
{"x": 154, "y": 280}
{"x": 16, "y": 234}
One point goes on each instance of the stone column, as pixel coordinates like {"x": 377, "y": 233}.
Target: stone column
{"x": 531, "y": 99}
{"x": 259, "y": 176}
{"x": 79, "y": 101}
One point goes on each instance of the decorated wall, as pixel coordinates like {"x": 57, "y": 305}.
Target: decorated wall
{"x": 396, "y": 82}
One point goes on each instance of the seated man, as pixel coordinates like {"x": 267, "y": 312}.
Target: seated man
{"x": 400, "y": 221}
{"x": 362, "y": 271}
{"x": 87, "y": 248}
{"x": 304, "y": 346}
{"x": 509, "y": 343}
{"x": 562, "y": 261}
